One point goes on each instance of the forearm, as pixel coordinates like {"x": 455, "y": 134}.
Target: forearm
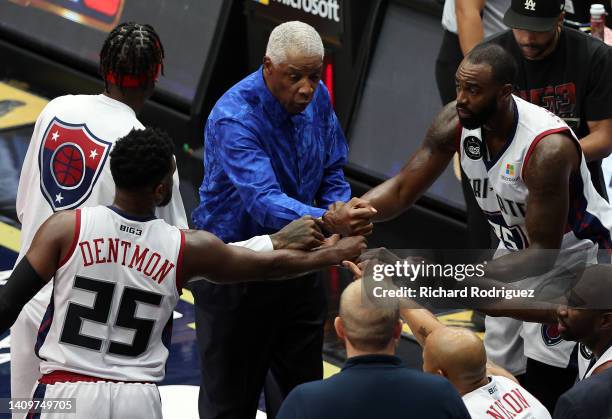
{"x": 22, "y": 285}
{"x": 469, "y": 28}
{"x": 421, "y": 321}
{"x": 386, "y": 198}
{"x": 516, "y": 266}
{"x": 469, "y": 23}
{"x": 597, "y": 145}
{"x": 276, "y": 265}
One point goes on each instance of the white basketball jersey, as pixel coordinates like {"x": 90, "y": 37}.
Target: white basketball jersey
{"x": 585, "y": 359}
{"x": 113, "y": 298}
{"x": 502, "y": 194}
{"x": 67, "y": 162}
{"x": 502, "y": 398}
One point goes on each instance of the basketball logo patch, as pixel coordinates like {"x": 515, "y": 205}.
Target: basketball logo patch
{"x": 71, "y": 159}
{"x": 472, "y": 147}
{"x": 551, "y": 335}
{"x": 585, "y": 352}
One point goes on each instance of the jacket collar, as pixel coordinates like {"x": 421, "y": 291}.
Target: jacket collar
{"x": 277, "y": 112}
{"x": 372, "y": 359}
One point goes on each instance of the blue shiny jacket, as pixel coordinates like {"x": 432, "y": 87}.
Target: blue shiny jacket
{"x": 265, "y": 167}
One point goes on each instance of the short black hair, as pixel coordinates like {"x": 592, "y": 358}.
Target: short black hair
{"x": 142, "y": 158}
{"x": 132, "y": 49}
{"x": 503, "y": 65}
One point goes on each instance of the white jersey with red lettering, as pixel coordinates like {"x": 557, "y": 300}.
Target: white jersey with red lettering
{"x": 503, "y": 398}
{"x": 113, "y": 298}
{"x": 501, "y": 192}
{"x": 66, "y": 167}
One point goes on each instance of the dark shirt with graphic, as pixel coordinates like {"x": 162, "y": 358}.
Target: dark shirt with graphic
{"x": 573, "y": 82}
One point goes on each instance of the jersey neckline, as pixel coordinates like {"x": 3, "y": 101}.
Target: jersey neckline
{"x": 130, "y": 216}
{"x": 490, "y": 163}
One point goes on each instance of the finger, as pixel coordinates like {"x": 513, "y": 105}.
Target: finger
{"x": 317, "y": 234}
{"x": 353, "y": 268}
{"x": 333, "y": 239}
{"x": 362, "y": 212}
{"x": 314, "y": 243}
{"x": 319, "y": 222}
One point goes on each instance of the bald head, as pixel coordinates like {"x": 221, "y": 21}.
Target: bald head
{"x": 458, "y": 353}
{"x": 366, "y": 327}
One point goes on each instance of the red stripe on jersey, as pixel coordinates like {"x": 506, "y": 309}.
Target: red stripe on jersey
{"x": 458, "y": 131}
{"x": 75, "y": 237}
{"x": 535, "y": 142}
{"x": 74, "y": 377}
{"x": 179, "y": 265}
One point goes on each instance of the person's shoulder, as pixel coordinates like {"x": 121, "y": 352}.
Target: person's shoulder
{"x": 322, "y": 97}
{"x": 425, "y": 382}
{"x": 238, "y": 99}
{"x": 580, "y": 44}
{"x": 595, "y": 384}
{"x": 61, "y": 102}
{"x": 317, "y": 391}
{"x": 587, "y": 399}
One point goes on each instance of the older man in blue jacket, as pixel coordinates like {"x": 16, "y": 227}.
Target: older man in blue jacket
{"x": 274, "y": 152}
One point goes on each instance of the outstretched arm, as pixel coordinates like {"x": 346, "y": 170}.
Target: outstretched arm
{"x": 49, "y": 246}
{"x": 397, "y": 194}
{"x": 547, "y": 176}
{"x": 206, "y": 255}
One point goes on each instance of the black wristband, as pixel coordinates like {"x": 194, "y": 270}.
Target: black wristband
{"x": 23, "y": 284}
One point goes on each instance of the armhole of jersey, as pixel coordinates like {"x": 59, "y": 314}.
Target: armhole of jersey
{"x": 537, "y": 140}
{"x": 179, "y": 264}
{"x": 458, "y": 130}
{"x": 75, "y": 237}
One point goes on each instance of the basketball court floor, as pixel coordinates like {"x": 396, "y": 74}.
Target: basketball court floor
{"x": 18, "y": 111}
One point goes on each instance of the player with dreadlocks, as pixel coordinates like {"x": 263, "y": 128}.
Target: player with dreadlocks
{"x": 66, "y": 167}
{"x": 131, "y": 60}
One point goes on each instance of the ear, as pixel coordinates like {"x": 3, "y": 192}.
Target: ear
{"x": 339, "y": 328}
{"x": 606, "y": 321}
{"x": 561, "y": 18}
{"x": 506, "y": 90}
{"x": 267, "y": 64}
{"x": 397, "y": 329}
{"x": 159, "y": 192}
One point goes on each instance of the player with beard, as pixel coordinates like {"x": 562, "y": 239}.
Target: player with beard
{"x": 529, "y": 176}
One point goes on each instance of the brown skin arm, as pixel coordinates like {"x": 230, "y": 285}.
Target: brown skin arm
{"x": 547, "y": 177}
{"x": 206, "y": 255}
{"x": 598, "y": 144}
{"x": 397, "y": 194}
{"x": 469, "y": 23}
{"x": 51, "y": 243}
{"x": 421, "y": 321}
{"x": 301, "y": 234}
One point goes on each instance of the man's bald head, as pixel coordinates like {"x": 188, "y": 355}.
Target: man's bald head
{"x": 456, "y": 353}
{"x": 366, "y": 327}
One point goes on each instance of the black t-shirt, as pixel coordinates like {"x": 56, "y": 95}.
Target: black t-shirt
{"x": 574, "y": 82}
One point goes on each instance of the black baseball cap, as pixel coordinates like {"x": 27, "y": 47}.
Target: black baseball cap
{"x": 534, "y": 15}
